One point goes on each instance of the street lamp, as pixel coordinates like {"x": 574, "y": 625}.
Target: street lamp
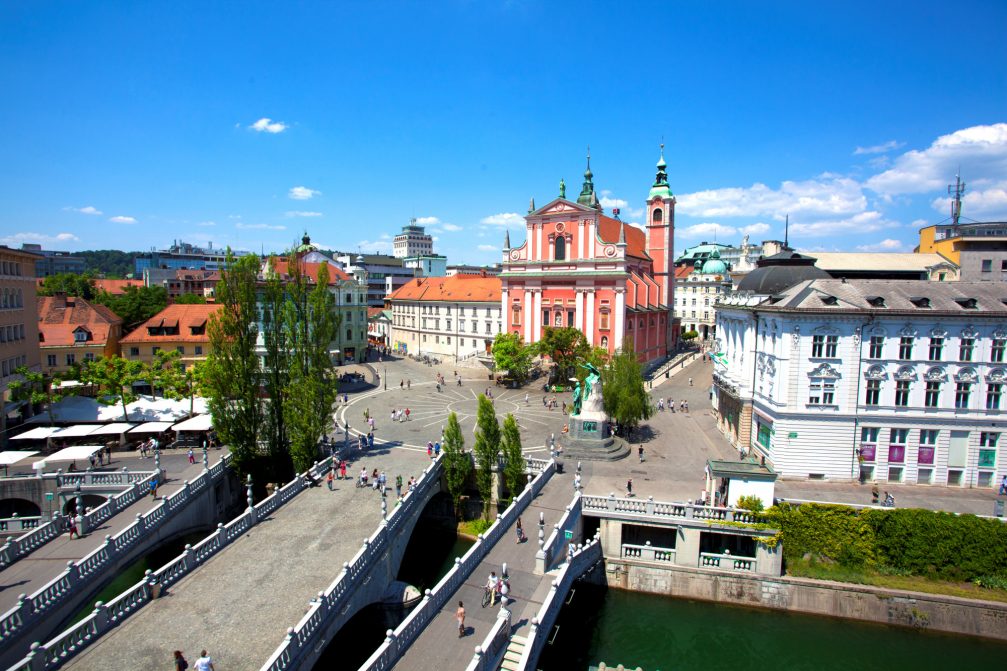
{"x": 384, "y": 376}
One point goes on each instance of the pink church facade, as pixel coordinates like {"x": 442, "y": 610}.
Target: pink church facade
{"x": 580, "y": 268}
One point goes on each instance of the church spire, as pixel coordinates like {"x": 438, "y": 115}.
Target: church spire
{"x": 506, "y": 239}
{"x": 622, "y": 233}
{"x": 660, "y": 186}
{"x": 587, "y": 196}
{"x": 531, "y": 205}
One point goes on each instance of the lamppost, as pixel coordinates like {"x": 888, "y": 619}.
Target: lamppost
{"x": 384, "y": 376}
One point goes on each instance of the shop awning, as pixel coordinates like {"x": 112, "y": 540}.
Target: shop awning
{"x": 152, "y": 427}
{"x": 38, "y": 433}
{"x": 197, "y": 423}
{"x": 112, "y": 429}
{"x": 75, "y": 431}
{"x": 74, "y": 453}
{"x": 11, "y": 457}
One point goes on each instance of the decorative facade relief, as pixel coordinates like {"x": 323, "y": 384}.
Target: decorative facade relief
{"x": 905, "y": 373}
{"x": 876, "y": 373}
{"x": 966, "y": 375}
{"x": 936, "y": 374}
{"x": 908, "y": 331}
{"x": 996, "y": 375}
{"x": 825, "y": 370}
{"x": 970, "y": 332}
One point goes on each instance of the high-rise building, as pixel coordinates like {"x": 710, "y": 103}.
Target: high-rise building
{"x": 412, "y": 241}
{"x": 54, "y": 262}
{"x": 182, "y": 255}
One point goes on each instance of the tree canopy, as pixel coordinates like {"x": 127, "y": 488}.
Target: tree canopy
{"x": 512, "y": 355}
{"x": 457, "y": 464}
{"x": 486, "y": 449}
{"x": 623, "y": 393}
{"x": 514, "y": 463}
{"x": 71, "y": 284}
{"x": 113, "y": 377}
{"x": 565, "y": 346}
{"x": 190, "y": 299}
{"x": 136, "y": 305}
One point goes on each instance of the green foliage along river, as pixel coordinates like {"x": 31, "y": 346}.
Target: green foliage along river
{"x": 664, "y": 634}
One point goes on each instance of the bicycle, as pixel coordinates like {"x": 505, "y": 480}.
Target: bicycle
{"x": 487, "y": 596}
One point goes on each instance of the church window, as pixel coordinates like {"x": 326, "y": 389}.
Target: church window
{"x": 516, "y": 316}
{"x": 603, "y": 321}
{"x": 658, "y": 215}
{"x": 560, "y": 251}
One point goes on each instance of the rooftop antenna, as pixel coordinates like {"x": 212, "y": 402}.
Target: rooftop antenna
{"x": 786, "y": 234}
{"x": 956, "y": 190}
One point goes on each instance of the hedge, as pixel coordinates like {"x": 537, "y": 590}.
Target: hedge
{"x": 920, "y": 542}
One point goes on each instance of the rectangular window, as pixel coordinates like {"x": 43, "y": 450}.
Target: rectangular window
{"x": 962, "y": 393}
{"x": 88, "y": 356}
{"x": 987, "y": 265}
{"x": 515, "y": 318}
{"x": 997, "y": 350}
{"x": 134, "y": 351}
{"x": 933, "y": 394}
{"x": 868, "y": 443}
{"x": 180, "y": 349}
{"x": 51, "y": 360}
{"x": 966, "y": 348}
{"x": 822, "y": 391}
{"x": 902, "y": 393}
{"x": 817, "y": 345}
{"x": 545, "y": 318}
{"x": 71, "y": 359}
{"x": 877, "y": 347}
{"x": 831, "y": 345}
{"x": 906, "y": 348}
{"x": 988, "y": 449}
{"x": 603, "y": 321}
{"x": 764, "y": 433}
{"x": 928, "y": 446}
{"x": 199, "y": 350}
{"x": 936, "y": 348}
{"x": 993, "y": 392}
{"x": 873, "y": 393}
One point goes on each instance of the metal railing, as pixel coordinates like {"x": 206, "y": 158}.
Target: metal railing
{"x": 399, "y": 640}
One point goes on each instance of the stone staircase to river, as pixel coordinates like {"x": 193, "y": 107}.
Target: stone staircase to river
{"x": 512, "y": 656}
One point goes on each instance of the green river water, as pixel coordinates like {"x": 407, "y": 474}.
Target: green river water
{"x": 664, "y": 634}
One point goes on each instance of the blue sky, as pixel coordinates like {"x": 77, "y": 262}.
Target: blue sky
{"x": 128, "y": 125}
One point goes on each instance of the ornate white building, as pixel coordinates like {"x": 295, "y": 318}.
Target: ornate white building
{"x": 890, "y": 381}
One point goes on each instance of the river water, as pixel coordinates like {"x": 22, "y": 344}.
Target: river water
{"x": 664, "y": 634}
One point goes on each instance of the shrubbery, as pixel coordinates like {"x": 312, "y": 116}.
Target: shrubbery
{"x": 918, "y": 542}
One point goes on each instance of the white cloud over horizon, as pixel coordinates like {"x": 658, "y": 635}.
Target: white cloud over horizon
{"x": 427, "y": 221}
{"x": 302, "y": 193}
{"x": 267, "y": 125}
{"x": 886, "y": 245}
{"x": 452, "y": 228}
{"x": 508, "y": 219}
{"x": 882, "y": 148}
{"x": 122, "y": 220}
{"x": 609, "y": 202}
{"x": 263, "y": 227}
{"x": 379, "y": 246}
{"x": 302, "y": 213}
{"x": 864, "y": 222}
{"x": 827, "y": 194}
{"x": 37, "y": 238}
{"x": 87, "y": 209}
{"x": 978, "y": 203}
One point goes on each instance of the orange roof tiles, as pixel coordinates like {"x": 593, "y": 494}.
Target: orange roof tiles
{"x": 636, "y": 239}
{"x": 682, "y": 271}
{"x": 58, "y": 318}
{"x": 457, "y": 288}
{"x": 182, "y": 316}
{"x": 116, "y": 287}
{"x": 282, "y": 268}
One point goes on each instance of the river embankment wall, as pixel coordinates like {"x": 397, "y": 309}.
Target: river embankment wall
{"x": 920, "y": 610}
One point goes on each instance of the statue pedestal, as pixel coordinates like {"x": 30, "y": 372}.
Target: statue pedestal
{"x": 589, "y": 439}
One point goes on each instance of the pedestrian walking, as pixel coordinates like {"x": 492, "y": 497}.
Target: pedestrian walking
{"x": 686, "y": 404}
{"x": 401, "y": 383}
{"x": 73, "y": 527}
{"x": 153, "y": 486}
{"x": 460, "y": 617}
{"x": 437, "y": 449}
{"x": 430, "y": 450}
{"x": 407, "y": 414}
{"x": 526, "y": 398}
{"x": 329, "y": 478}
{"x": 640, "y": 452}
{"x": 1003, "y": 486}
{"x": 180, "y": 662}
{"x": 342, "y": 469}
{"x": 520, "y": 530}
{"x": 398, "y": 486}
{"x": 660, "y": 405}
{"x": 690, "y": 381}
{"x": 576, "y": 483}
{"x": 192, "y": 457}
{"x": 671, "y": 404}
{"x": 204, "y": 663}
{"x": 409, "y": 384}
{"x": 370, "y": 440}
{"x": 629, "y": 487}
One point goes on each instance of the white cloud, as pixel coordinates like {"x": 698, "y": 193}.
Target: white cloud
{"x": 385, "y": 236}
{"x": 980, "y": 151}
{"x": 919, "y": 223}
{"x": 264, "y": 227}
{"x": 886, "y": 245}
{"x": 978, "y": 203}
{"x": 865, "y": 222}
{"x": 87, "y": 209}
{"x": 488, "y": 248}
{"x": 755, "y": 229}
{"x": 302, "y": 213}
{"x": 826, "y": 195}
{"x": 451, "y": 228}
{"x": 882, "y": 148}
{"x": 708, "y": 229}
{"x": 123, "y": 220}
{"x": 503, "y": 219}
{"x": 625, "y": 210}
{"x": 375, "y": 245}
{"x": 427, "y": 221}
{"x": 38, "y": 238}
{"x": 207, "y": 223}
{"x": 267, "y": 125}
{"x": 302, "y": 193}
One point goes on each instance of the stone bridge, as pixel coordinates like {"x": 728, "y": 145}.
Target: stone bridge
{"x": 60, "y": 593}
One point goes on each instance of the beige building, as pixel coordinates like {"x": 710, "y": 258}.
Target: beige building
{"x": 72, "y": 331}
{"x": 18, "y": 321}
{"x": 177, "y": 327}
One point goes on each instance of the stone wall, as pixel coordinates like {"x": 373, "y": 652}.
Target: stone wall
{"x": 859, "y": 602}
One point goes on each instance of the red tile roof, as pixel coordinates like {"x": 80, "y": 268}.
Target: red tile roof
{"x": 116, "y": 287}
{"x": 682, "y": 271}
{"x": 58, "y": 318}
{"x": 282, "y": 267}
{"x": 636, "y": 239}
{"x": 183, "y": 316}
{"x": 460, "y": 288}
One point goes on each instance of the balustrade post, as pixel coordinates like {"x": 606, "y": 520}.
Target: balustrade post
{"x": 81, "y": 524}
{"x": 24, "y": 607}
{"x": 690, "y": 512}
{"x": 36, "y": 657}
{"x": 221, "y": 535}
{"x": 100, "y": 617}
{"x": 610, "y": 503}
{"x": 140, "y": 524}
{"x": 250, "y": 499}
{"x": 478, "y": 656}
{"x": 384, "y": 508}
{"x": 650, "y": 505}
{"x": 9, "y": 550}
{"x": 392, "y": 642}
{"x": 185, "y": 488}
{"x": 206, "y": 458}
{"x": 293, "y": 645}
{"x": 190, "y": 558}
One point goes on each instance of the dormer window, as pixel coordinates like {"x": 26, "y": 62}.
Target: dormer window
{"x": 876, "y": 301}
{"x": 920, "y": 301}
{"x": 829, "y": 300}
{"x": 968, "y": 303}
{"x": 80, "y": 335}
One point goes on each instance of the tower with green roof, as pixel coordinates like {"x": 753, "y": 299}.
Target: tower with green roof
{"x": 661, "y": 238}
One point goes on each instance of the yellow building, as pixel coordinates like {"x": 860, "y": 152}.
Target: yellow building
{"x": 979, "y": 249}
{"x": 72, "y": 331}
{"x": 177, "y": 327}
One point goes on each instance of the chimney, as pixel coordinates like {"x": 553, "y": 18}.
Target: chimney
{"x": 59, "y": 300}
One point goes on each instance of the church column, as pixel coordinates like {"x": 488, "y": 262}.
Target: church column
{"x": 504, "y": 314}
{"x": 527, "y": 307}
{"x": 589, "y": 309}
{"x": 537, "y": 309}
{"x": 620, "y": 317}
{"x": 541, "y": 255}
{"x": 581, "y": 235}
{"x": 579, "y": 317}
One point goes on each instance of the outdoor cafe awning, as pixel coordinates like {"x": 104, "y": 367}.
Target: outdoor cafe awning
{"x": 197, "y": 423}
{"x": 75, "y": 431}
{"x": 75, "y": 452}
{"x": 112, "y": 429}
{"x": 38, "y": 433}
{"x": 152, "y": 427}
{"x": 11, "y": 457}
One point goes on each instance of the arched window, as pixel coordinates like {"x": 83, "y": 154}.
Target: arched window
{"x": 560, "y": 254}
{"x": 658, "y": 216}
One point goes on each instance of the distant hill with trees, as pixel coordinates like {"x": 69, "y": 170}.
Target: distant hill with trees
{"x": 111, "y": 263}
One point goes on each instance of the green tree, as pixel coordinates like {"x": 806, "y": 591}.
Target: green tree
{"x": 232, "y": 366}
{"x": 190, "y": 299}
{"x": 113, "y": 378}
{"x": 309, "y": 328}
{"x": 623, "y": 393}
{"x": 35, "y": 388}
{"x": 457, "y": 463}
{"x": 175, "y": 379}
{"x": 513, "y": 457}
{"x": 512, "y": 355}
{"x": 486, "y": 449}
{"x": 71, "y": 284}
{"x": 565, "y": 346}
{"x": 160, "y": 372}
{"x": 136, "y": 305}
{"x": 276, "y": 369}
{"x": 690, "y": 335}
{"x": 110, "y": 263}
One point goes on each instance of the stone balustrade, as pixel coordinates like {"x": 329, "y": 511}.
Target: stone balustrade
{"x": 556, "y": 546}
{"x": 578, "y": 564}
{"x": 536, "y": 465}
{"x": 397, "y": 641}
{"x": 612, "y": 506}
{"x": 78, "y": 575}
{"x": 17, "y": 524}
{"x": 487, "y": 655}
{"x": 337, "y": 601}
{"x": 727, "y": 562}
{"x": 647, "y": 552}
{"x": 136, "y": 484}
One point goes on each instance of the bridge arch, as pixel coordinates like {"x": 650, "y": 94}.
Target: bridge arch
{"x": 20, "y": 507}
{"x": 91, "y": 501}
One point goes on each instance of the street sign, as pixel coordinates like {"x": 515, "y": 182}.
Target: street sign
{"x": 792, "y": 434}
{"x": 48, "y": 496}
{"x": 568, "y": 535}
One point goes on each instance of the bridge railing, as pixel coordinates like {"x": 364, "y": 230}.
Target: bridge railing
{"x": 80, "y": 574}
{"x": 399, "y": 640}
{"x": 15, "y": 523}
{"x": 555, "y": 546}
{"x": 582, "y": 560}
{"x": 336, "y": 600}
{"x": 633, "y": 507}
{"x": 135, "y": 482}
{"x": 488, "y": 653}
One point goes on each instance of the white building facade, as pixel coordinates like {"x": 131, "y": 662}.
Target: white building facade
{"x": 867, "y": 379}
{"x": 412, "y": 241}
